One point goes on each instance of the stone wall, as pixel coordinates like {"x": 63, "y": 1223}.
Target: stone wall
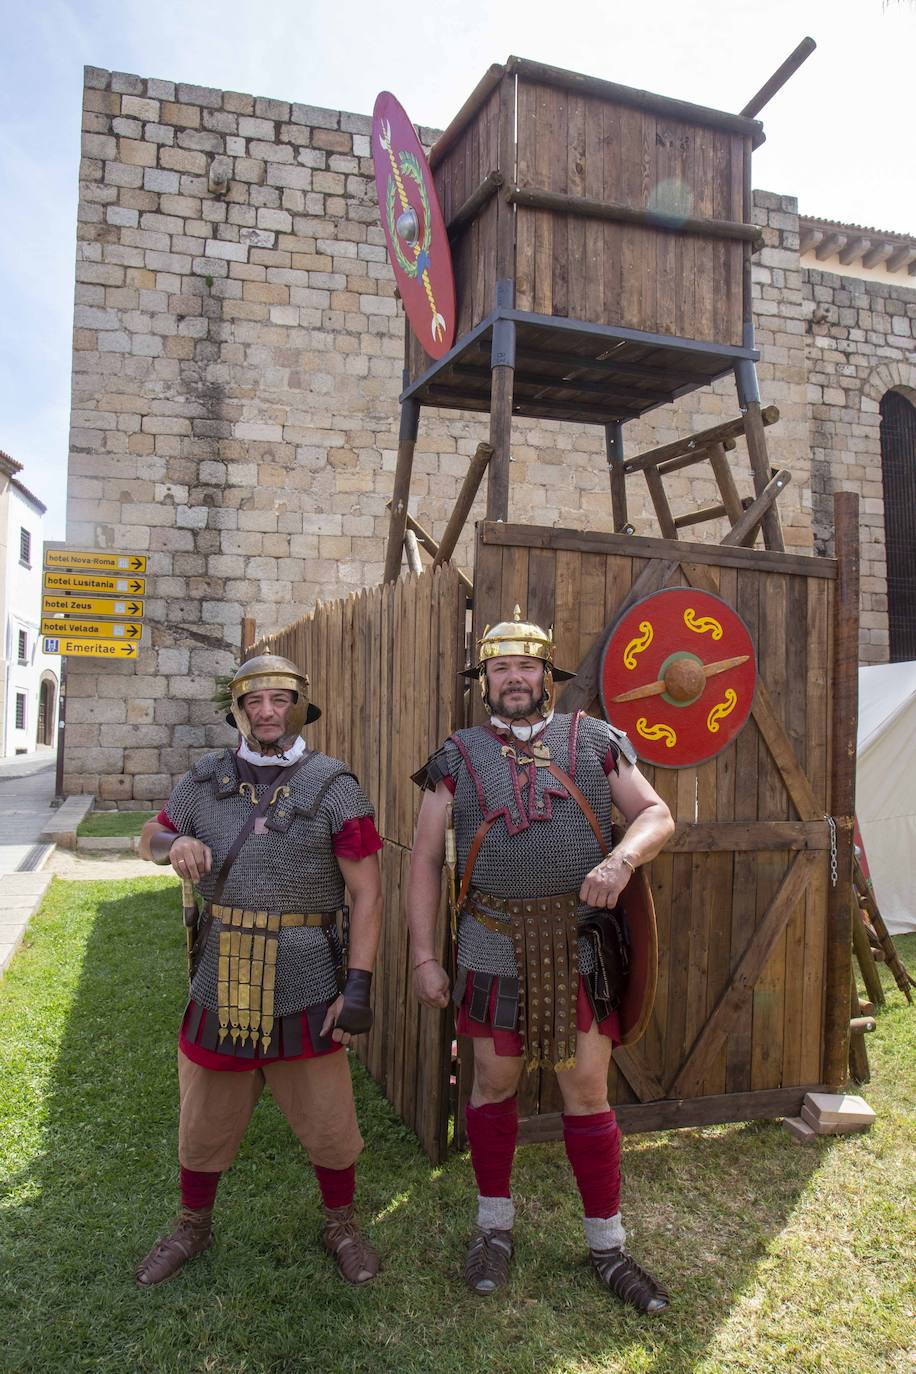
{"x": 237, "y": 363}
{"x": 859, "y": 346}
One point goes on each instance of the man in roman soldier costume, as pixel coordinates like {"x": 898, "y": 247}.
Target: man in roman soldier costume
{"x": 270, "y": 836}
{"x": 542, "y": 947}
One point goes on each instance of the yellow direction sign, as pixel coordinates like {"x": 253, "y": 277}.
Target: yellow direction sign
{"x": 90, "y": 648}
{"x": 93, "y": 629}
{"x": 95, "y": 561}
{"x": 90, "y": 605}
{"x": 83, "y": 582}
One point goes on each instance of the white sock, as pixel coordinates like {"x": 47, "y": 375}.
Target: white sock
{"x": 495, "y": 1213}
{"x": 604, "y": 1233}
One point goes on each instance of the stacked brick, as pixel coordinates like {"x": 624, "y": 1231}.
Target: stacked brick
{"x": 237, "y": 362}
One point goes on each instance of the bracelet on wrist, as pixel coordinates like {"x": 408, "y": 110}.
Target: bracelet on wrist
{"x": 624, "y": 860}
{"x": 431, "y": 960}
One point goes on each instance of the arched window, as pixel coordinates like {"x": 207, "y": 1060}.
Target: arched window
{"x": 898, "y": 470}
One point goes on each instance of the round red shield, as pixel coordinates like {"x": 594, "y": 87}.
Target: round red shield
{"x": 418, "y": 246}
{"x": 678, "y": 674}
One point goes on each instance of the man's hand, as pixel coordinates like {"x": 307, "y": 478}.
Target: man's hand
{"x": 190, "y": 858}
{"x": 431, "y": 984}
{"x": 603, "y": 886}
{"x": 329, "y": 1024}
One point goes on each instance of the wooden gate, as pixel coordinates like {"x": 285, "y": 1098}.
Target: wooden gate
{"x": 742, "y": 891}
{"x": 384, "y": 669}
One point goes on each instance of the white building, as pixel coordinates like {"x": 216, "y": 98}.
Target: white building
{"x": 29, "y": 679}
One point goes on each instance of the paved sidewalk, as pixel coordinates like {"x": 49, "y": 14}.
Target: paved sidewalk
{"x": 26, "y": 792}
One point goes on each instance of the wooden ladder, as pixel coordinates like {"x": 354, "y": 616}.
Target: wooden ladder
{"x": 708, "y": 446}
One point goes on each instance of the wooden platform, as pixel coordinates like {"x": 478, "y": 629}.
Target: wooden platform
{"x": 572, "y": 370}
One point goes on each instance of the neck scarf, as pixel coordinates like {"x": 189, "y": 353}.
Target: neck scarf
{"x": 295, "y": 751}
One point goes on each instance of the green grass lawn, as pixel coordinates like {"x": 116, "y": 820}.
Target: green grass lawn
{"x": 780, "y": 1258}
{"x": 114, "y": 822}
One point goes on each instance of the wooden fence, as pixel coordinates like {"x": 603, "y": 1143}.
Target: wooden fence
{"x": 741, "y": 893}
{"x": 384, "y": 669}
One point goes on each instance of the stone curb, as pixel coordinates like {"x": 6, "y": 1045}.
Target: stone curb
{"x": 26, "y": 895}
{"x": 61, "y": 829}
{"x": 123, "y": 843}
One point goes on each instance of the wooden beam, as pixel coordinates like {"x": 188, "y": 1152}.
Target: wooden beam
{"x": 712, "y": 1037}
{"x": 644, "y": 1084}
{"x": 779, "y": 78}
{"x": 426, "y": 541}
{"x": 692, "y": 837}
{"x": 613, "y": 442}
{"x": 500, "y": 440}
{"x": 700, "y": 517}
{"x": 595, "y": 541}
{"x": 412, "y": 549}
{"x": 845, "y": 680}
{"x": 755, "y": 438}
{"x": 532, "y": 198}
{"x": 725, "y": 481}
{"x": 407, "y": 441}
{"x": 469, "y": 209}
{"x": 682, "y": 1113}
{"x": 690, "y": 460}
{"x": 866, "y": 960}
{"x": 780, "y": 746}
{"x": 462, "y": 508}
{"x": 692, "y": 443}
{"x": 475, "y": 101}
{"x": 666, "y": 521}
{"x": 744, "y": 530}
{"x": 545, "y": 75}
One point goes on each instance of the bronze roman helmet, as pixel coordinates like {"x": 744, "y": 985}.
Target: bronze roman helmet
{"x": 522, "y": 638}
{"x": 270, "y": 672}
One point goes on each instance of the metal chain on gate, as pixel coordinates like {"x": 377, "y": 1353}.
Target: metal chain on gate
{"x": 834, "y": 874}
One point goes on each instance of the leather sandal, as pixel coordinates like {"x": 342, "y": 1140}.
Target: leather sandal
{"x": 342, "y": 1238}
{"x": 487, "y": 1265}
{"x": 632, "y": 1284}
{"x": 192, "y": 1235}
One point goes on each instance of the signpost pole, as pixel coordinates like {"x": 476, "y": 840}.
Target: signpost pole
{"x": 61, "y": 734}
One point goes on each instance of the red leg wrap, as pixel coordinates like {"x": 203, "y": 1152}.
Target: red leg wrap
{"x": 198, "y": 1189}
{"x": 492, "y": 1133}
{"x": 593, "y": 1149}
{"x": 338, "y": 1186}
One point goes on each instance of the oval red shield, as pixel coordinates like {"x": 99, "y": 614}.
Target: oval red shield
{"x": 418, "y": 247}
{"x": 678, "y": 674}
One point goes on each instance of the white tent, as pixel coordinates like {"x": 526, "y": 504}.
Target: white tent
{"x": 886, "y": 787}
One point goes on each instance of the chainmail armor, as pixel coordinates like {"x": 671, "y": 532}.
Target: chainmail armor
{"x": 290, "y": 867}
{"x": 543, "y": 844}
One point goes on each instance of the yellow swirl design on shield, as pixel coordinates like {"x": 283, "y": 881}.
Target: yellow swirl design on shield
{"x": 656, "y": 732}
{"x": 702, "y": 624}
{"x": 720, "y": 711}
{"x": 637, "y": 645}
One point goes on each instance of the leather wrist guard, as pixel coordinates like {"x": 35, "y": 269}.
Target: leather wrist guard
{"x": 160, "y": 846}
{"x": 355, "y": 1014}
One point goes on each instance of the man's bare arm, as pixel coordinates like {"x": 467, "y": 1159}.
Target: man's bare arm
{"x": 424, "y": 887}
{"x": 649, "y": 827}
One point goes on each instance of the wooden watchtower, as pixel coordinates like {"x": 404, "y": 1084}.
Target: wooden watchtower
{"x": 602, "y": 244}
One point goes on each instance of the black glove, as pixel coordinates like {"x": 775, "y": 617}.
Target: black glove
{"x": 355, "y": 1014}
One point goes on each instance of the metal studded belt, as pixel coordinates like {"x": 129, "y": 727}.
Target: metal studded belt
{"x": 264, "y": 920}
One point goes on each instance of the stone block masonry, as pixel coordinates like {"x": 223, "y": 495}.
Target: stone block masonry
{"x": 236, "y": 367}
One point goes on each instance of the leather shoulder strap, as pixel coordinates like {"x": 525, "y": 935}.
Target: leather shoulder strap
{"x": 574, "y": 791}
{"x": 259, "y": 811}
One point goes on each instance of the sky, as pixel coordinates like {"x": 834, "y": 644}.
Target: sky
{"x": 839, "y": 135}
